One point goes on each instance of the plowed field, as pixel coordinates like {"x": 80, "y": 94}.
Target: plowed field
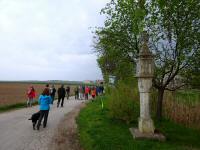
{"x": 12, "y": 93}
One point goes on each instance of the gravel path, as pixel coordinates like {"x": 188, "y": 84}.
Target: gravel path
{"x": 16, "y": 131}
{"x": 67, "y": 137}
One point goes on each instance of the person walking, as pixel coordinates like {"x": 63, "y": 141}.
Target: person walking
{"x": 68, "y": 91}
{"x": 87, "y": 90}
{"x": 101, "y": 89}
{"x": 76, "y": 92}
{"x": 31, "y": 94}
{"x": 81, "y": 92}
{"x": 52, "y": 93}
{"x": 61, "y": 95}
{"x": 44, "y": 102}
{"x": 47, "y": 87}
{"x": 93, "y": 93}
{"x": 90, "y": 88}
{"x": 97, "y": 90}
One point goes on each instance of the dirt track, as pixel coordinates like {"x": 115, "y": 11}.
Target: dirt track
{"x": 16, "y": 131}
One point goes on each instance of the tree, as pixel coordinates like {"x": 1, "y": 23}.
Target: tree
{"x": 118, "y": 42}
{"x": 174, "y": 33}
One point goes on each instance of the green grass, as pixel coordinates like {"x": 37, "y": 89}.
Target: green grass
{"x": 99, "y": 132}
{"x": 19, "y": 105}
{"x": 14, "y": 106}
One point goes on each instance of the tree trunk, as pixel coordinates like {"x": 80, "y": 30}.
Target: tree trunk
{"x": 159, "y": 103}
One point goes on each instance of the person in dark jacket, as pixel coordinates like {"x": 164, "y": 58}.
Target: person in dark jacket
{"x": 76, "y": 92}
{"x": 61, "y": 95}
{"x": 68, "y": 91}
{"x": 44, "y": 101}
{"x": 52, "y": 93}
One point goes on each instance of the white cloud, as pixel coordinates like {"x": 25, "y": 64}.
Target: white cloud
{"x": 48, "y": 39}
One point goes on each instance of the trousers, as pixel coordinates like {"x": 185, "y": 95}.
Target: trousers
{"x": 43, "y": 114}
{"x": 62, "y": 101}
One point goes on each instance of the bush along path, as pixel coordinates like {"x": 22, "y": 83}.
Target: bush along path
{"x": 98, "y": 131}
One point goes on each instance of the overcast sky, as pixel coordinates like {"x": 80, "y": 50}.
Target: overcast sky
{"x": 48, "y": 39}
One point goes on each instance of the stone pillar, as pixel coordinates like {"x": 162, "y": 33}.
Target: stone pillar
{"x": 145, "y": 121}
{"x": 145, "y": 70}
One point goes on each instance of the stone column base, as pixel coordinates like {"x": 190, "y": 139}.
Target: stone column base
{"x": 152, "y": 136}
{"x": 146, "y": 125}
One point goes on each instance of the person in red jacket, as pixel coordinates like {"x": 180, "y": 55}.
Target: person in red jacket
{"x": 87, "y": 90}
{"x": 93, "y": 93}
{"x": 31, "y": 94}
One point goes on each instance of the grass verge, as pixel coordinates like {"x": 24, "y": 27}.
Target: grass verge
{"x": 14, "y": 106}
{"x": 18, "y": 106}
{"x": 97, "y": 131}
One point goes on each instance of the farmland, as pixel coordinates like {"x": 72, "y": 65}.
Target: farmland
{"x": 15, "y": 92}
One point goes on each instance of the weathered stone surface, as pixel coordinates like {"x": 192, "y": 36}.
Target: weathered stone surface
{"x": 144, "y": 84}
{"x": 144, "y": 106}
{"x": 146, "y": 125}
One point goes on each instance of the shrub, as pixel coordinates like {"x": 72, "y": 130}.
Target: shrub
{"x": 123, "y": 101}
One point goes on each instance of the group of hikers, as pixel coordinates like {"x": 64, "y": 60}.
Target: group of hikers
{"x": 48, "y": 95}
{"x": 83, "y": 92}
{"x": 62, "y": 92}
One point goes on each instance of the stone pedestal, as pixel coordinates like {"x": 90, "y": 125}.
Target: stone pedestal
{"x": 152, "y": 136}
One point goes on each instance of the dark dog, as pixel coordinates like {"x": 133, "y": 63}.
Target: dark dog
{"x": 35, "y": 118}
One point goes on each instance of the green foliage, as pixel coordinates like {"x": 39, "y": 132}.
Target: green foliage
{"x": 121, "y": 69}
{"x": 121, "y": 102}
{"x": 125, "y": 71}
{"x": 173, "y": 27}
{"x": 191, "y": 97}
{"x": 192, "y": 75}
{"x": 117, "y": 43}
{"x": 97, "y": 131}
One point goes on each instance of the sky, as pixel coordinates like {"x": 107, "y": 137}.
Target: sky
{"x": 49, "y": 39}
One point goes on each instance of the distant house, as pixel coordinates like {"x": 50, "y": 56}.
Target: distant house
{"x": 94, "y": 82}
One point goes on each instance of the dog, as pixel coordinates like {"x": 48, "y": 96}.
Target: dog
{"x": 35, "y": 117}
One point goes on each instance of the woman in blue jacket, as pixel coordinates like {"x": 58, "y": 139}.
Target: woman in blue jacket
{"x": 44, "y": 101}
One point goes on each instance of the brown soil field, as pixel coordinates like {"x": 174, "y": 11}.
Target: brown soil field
{"x": 13, "y": 93}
